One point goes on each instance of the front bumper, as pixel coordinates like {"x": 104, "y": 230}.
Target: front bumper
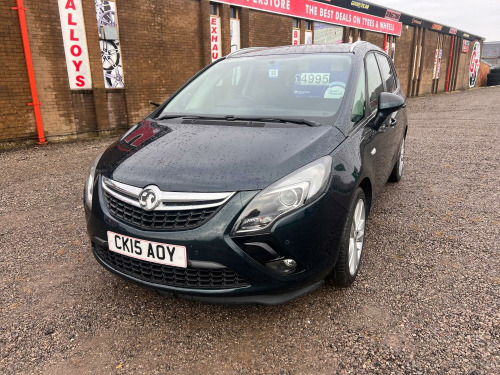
{"x": 310, "y": 236}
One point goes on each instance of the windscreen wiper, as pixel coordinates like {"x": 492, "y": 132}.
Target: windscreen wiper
{"x": 293, "y": 120}
{"x": 299, "y": 121}
{"x": 191, "y": 117}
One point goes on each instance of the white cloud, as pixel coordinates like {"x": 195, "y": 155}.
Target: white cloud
{"x": 478, "y": 17}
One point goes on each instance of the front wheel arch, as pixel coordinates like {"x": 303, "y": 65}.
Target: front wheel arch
{"x": 366, "y": 185}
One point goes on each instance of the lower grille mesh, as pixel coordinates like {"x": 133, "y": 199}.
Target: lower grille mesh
{"x": 189, "y": 277}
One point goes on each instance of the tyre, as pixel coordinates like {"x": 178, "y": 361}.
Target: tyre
{"x": 397, "y": 171}
{"x": 494, "y": 73}
{"x": 351, "y": 244}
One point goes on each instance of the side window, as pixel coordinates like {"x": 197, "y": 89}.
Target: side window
{"x": 387, "y": 73}
{"x": 375, "y": 85}
{"x": 358, "y": 108}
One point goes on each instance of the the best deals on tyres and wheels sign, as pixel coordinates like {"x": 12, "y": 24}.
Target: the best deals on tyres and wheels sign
{"x": 75, "y": 44}
{"x": 322, "y": 12}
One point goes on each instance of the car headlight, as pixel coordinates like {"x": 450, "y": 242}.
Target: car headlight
{"x": 291, "y": 192}
{"x": 89, "y": 184}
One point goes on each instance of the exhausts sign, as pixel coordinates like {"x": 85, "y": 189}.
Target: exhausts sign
{"x": 312, "y": 10}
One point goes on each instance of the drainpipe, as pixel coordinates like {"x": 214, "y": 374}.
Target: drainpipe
{"x": 386, "y": 50}
{"x": 449, "y": 63}
{"x": 31, "y": 74}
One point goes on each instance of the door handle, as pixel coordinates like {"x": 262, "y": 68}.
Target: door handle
{"x": 393, "y": 122}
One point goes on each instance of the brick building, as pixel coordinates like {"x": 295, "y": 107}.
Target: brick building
{"x": 97, "y": 64}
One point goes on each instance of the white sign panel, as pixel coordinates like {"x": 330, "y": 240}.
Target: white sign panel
{"x": 309, "y": 37}
{"x": 295, "y": 37}
{"x": 215, "y": 44}
{"x": 235, "y": 34}
{"x": 75, "y": 44}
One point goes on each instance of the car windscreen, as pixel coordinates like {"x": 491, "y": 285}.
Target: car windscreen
{"x": 267, "y": 86}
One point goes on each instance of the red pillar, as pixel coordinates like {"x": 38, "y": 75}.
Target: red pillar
{"x": 31, "y": 73}
{"x": 449, "y": 64}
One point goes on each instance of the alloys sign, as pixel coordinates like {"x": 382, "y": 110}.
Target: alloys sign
{"x": 75, "y": 44}
{"x": 474, "y": 64}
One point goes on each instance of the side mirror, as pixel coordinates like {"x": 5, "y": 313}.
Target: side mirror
{"x": 387, "y": 104}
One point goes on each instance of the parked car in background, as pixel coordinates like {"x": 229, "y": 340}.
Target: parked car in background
{"x": 253, "y": 182}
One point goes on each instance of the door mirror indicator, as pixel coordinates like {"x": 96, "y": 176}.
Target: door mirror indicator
{"x": 387, "y": 104}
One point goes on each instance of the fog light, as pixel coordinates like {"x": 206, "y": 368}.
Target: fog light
{"x": 283, "y": 266}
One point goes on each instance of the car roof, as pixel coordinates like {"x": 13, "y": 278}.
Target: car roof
{"x": 357, "y": 47}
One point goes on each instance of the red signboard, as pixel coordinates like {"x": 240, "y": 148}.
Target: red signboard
{"x": 295, "y": 37}
{"x": 313, "y": 10}
{"x": 465, "y": 46}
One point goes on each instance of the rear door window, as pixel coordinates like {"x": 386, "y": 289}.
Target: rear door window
{"x": 375, "y": 85}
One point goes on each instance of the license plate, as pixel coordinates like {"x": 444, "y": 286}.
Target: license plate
{"x": 155, "y": 252}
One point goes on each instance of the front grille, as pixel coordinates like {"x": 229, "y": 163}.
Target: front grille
{"x": 189, "y": 277}
{"x": 158, "y": 220}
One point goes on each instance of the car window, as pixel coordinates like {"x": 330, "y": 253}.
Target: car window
{"x": 268, "y": 86}
{"x": 358, "y": 108}
{"x": 375, "y": 86}
{"x": 387, "y": 73}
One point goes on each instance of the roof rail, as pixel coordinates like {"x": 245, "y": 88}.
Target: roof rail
{"x": 355, "y": 44}
{"x": 242, "y": 50}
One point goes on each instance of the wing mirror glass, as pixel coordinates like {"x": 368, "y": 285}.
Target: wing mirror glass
{"x": 388, "y": 103}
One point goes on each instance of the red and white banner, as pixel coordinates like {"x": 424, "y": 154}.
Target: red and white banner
{"x": 215, "y": 44}
{"x": 295, "y": 37}
{"x": 75, "y": 44}
{"x": 475, "y": 62}
{"x": 312, "y": 10}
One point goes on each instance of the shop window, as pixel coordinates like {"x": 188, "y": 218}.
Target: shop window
{"x": 234, "y": 13}
{"x": 308, "y": 33}
{"x": 295, "y": 23}
{"x": 214, "y": 9}
{"x": 325, "y": 33}
{"x": 234, "y": 24}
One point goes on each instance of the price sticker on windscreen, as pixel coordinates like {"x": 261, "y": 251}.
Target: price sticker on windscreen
{"x": 314, "y": 79}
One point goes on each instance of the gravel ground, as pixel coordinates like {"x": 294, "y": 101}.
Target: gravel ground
{"x": 426, "y": 301}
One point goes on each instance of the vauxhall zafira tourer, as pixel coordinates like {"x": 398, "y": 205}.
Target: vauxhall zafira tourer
{"x": 253, "y": 182}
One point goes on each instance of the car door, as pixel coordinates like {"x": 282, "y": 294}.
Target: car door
{"x": 365, "y": 148}
{"x": 396, "y": 121}
{"x": 381, "y": 145}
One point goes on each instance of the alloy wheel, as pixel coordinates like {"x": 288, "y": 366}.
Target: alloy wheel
{"x": 357, "y": 236}
{"x": 401, "y": 157}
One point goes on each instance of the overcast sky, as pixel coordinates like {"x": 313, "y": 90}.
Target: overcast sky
{"x": 479, "y": 17}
